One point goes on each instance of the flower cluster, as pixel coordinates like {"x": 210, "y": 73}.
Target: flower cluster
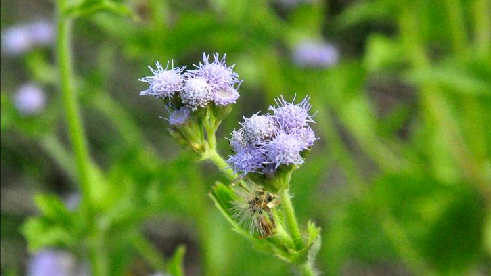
{"x": 186, "y": 91}
{"x": 265, "y": 142}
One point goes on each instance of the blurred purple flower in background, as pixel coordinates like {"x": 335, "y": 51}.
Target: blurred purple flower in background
{"x": 20, "y": 39}
{"x": 50, "y": 262}
{"x": 316, "y": 54}
{"x": 30, "y": 99}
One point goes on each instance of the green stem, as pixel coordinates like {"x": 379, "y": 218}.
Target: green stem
{"x": 149, "y": 253}
{"x": 55, "y": 149}
{"x": 213, "y": 156}
{"x": 75, "y": 128}
{"x": 99, "y": 257}
{"x": 482, "y": 25}
{"x": 456, "y": 25}
{"x": 290, "y": 218}
{"x": 307, "y": 269}
{"x": 85, "y": 166}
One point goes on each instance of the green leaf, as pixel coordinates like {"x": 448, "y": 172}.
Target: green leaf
{"x": 176, "y": 261}
{"x": 223, "y": 196}
{"x": 367, "y": 11}
{"x": 311, "y": 249}
{"x": 457, "y": 79}
{"x": 53, "y": 209}
{"x": 382, "y": 52}
{"x": 40, "y": 233}
{"x": 92, "y": 6}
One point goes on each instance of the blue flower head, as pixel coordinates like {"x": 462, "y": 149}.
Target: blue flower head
{"x": 217, "y": 74}
{"x": 196, "y": 93}
{"x": 165, "y": 82}
{"x": 265, "y": 142}
{"x": 247, "y": 159}
{"x": 237, "y": 141}
{"x": 285, "y": 150}
{"x": 292, "y": 116}
{"x": 259, "y": 129}
{"x": 225, "y": 96}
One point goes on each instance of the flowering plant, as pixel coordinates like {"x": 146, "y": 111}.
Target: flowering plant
{"x": 266, "y": 149}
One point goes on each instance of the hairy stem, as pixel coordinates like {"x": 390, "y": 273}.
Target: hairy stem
{"x": 213, "y": 156}
{"x": 290, "y": 218}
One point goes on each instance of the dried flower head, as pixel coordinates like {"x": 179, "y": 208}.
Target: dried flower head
{"x": 253, "y": 210}
{"x": 165, "y": 82}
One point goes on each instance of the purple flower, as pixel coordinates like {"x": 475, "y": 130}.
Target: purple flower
{"x": 30, "y": 99}
{"x": 209, "y": 82}
{"x": 289, "y": 115}
{"x": 247, "y": 159}
{"x": 315, "y": 54}
{"x": 42, "y": 32}
{"x": 306, "y": 135}
{"x": 237, "y": 141}
{"x": 259, "y": 129}
{"x": 217, "y": 74}
{"x": 165, "y": 82}
{"x": 265, "y": 142}
{"x": 222, "y": 79}
{"x": 196, "y": 93}
{"x": 54, "y": 263}
{"x": 180, "y": 116}
{"x": 16, "y": 40}
{"x": 23, "y": 38}
{"x": 284, "y": 150}
{"x": 225, "y": 96}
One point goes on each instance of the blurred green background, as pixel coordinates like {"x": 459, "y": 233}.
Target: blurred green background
{"x": 399, "y": 181}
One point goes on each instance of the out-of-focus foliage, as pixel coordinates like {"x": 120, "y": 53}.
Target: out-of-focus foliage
{"x": 399, "y": 181}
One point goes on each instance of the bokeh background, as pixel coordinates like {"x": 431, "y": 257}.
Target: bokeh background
{"x": 399, "y": 179}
